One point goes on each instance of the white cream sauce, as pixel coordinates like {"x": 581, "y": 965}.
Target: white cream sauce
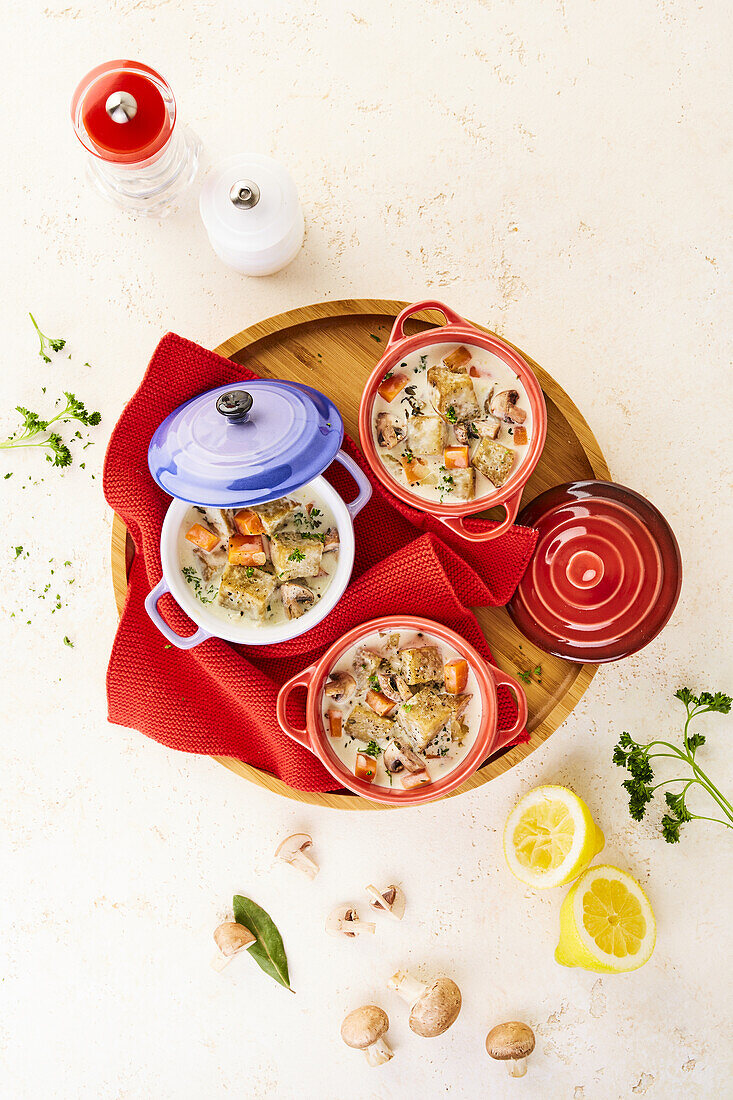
{"x": 207, "y": 591}
{"x": 346, "y": 748}
{"x": 494, "y": 374}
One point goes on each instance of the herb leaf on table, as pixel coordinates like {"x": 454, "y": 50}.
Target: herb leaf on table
{"x": 268, "y": 951}
{"x": 33, "y": 426}
{"x": 54, "y": 343}
{"x": 636, "y": 758}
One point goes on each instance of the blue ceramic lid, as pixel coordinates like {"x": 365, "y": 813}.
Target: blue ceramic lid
{"x": 246, "y": 443}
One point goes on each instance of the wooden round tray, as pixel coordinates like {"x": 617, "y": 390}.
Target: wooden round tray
{"x": 334, "y": 346}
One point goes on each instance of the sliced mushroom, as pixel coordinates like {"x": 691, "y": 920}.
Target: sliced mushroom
{"x": 504, "y": 406}
{"x": 340, "y": 686}
{"x": 230, "y": 938}
{"x": 331, "y": 541}
{"x": 399, "y": 757}
{"x": 344, "y": 921}
{"x": 390, "y": 430}
{"x": 364, "y": 1029}
{"x": 461, "y": 432}
{"x": 296, "y": 598}
{"x": 293, "y": 850}
{"x": 488, "y": 428}
{"x": 391, "y": 900}
{"x": 512, "y": 1042}
{"x": 434, "y": 1006}
{"x": 222, "y": 522}
{"x": 205, "y": 567}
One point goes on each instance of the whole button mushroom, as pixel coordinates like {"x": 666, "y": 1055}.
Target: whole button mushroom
{"x": 512, "y": 1042}
{"x": 434, "y": 1006}
{"x": 364, "y": 1029}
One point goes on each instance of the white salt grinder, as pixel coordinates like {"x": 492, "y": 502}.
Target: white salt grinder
{"x": 249, "y": 207}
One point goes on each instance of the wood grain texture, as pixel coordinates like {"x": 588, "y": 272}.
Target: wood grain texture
{"x": 333, "y": 346}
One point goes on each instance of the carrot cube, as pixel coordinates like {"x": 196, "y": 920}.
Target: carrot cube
{"x": 457, "y": 358}
{"x": 202, "y": 537}
{"x": 246, "y": 550}
{"x": 519, "y": 436}
{"x": 365, "y": 768}
{"x": 335, "y": 723}
{"x": 248, "y": 522}
{"x": 380, "y": 703}
{"x": 390, "y": 386}
{"x": 455, "y": 458}
{"x": 415, "y": 470}
{"x": 456, "y": 676}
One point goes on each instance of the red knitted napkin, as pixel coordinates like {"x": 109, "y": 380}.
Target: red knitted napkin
{"x": 219, "y": 698}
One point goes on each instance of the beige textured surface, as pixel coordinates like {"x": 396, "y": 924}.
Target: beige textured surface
{"x": 557, "y": 170}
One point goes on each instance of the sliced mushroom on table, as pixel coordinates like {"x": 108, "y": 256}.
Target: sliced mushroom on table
{"x": 344, "y": 921}
{"x": 294, "y": 850}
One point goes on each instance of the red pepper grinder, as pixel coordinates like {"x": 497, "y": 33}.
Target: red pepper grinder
{"x": 124, "y": 114}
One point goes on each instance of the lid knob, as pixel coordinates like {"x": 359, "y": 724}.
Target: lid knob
{"x": 245, "y": 194}
{"x": 121, "y": 106}
{"x": 585, "y": 569}
{"x": 235, "y": 405}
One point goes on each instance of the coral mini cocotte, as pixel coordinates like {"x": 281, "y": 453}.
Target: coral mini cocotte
{"x": 485, "y": 678}
{"x": 469, "y": 341}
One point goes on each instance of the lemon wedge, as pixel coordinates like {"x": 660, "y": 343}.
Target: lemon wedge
{"x": 606, "y": 923}
{"x": 550, "y": 837}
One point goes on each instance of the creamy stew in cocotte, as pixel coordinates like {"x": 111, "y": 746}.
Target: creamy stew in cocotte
{"x": 451, "y": 423}
{"x": 401, "y": 709}
{"x": 263, "y": 565}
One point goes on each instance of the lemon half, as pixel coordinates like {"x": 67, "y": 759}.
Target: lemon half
{"x": 606, "y": 923}
{"x": 550, "y": 837}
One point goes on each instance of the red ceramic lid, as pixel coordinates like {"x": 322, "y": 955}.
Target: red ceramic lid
{"x": 605, "y": 575}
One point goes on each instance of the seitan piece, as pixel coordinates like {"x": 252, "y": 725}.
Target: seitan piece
{"x": 274, "y": 512}
{"x": 464, "y": 484}
{"x": 423, "y": 716}
{"x": 426, "y": 435}
{"x": 247, "y": 589}
{"x": 493, "y": 460}
{"x": 294, "y": 556}
{"x": 364, "y": 725}
{"x": 456, "y": 396}
{"x": 458, "y": 360}
{"x": 422, "y": 665}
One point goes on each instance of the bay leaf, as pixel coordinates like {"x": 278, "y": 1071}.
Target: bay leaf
{"x": 269, "y": 950}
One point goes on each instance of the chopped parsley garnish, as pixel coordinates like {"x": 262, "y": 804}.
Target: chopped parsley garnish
{"x": 18, "y": 551}
{"x": 450, "y": 415}
{"x": 372, "y": 750}
{"x": 68, "y": 642}
{"x": 423, "y": 364}
{"x": 408, "y": 456}
{"x": 193, "y": 578}
{"x": 388, "y": 375}
{"x": 377, "y": 338}
{"x": 249, "y": 571}
{"x": 51, "y": 342}
{"x": 296, "y": 555}
{"x": 373, "y": 680}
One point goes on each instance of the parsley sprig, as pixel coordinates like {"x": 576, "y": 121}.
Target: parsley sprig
{"x": 46, "y": 342}
{"x": 637, "y": 758}
{"x": 33, "y": 426}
